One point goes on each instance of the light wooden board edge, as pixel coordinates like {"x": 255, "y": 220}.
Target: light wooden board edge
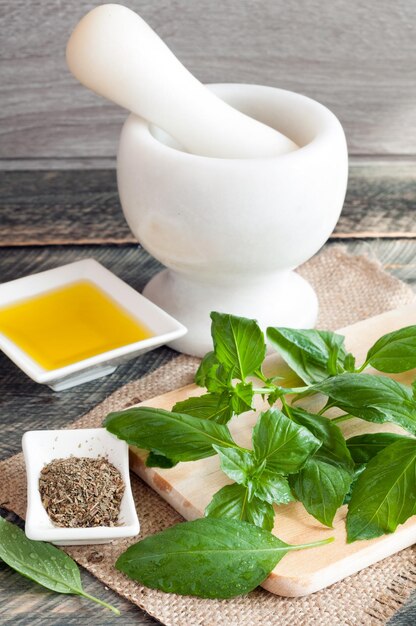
{"x": 284, "y": 580}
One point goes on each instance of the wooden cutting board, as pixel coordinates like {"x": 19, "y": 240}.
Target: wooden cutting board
{"x": 188, "y": 487}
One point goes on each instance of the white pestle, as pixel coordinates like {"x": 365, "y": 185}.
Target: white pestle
{"x": 116, "y": 54}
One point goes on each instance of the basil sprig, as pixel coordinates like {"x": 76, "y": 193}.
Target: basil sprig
{"x": 43, "y": 563}
{"x": 295, "y": 455}
{"x": 280, "y": 447}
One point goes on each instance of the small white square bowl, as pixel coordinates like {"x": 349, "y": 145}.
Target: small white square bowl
{"x": 40, "y": 447}
{"x": 164, "y": 327}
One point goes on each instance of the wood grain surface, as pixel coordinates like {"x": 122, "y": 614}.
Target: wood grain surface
{"x": 356, "y": 58}
{"x": 24, "y": 405}
{"x": 77, "y": 206}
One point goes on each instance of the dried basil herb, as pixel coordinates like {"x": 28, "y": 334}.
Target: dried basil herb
{"x": 81, "y": 492}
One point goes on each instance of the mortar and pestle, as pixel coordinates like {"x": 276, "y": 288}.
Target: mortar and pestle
{"x": 230, "y": 186}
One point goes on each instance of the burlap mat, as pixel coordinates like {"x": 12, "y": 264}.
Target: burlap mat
{"x": 349, "y": 289}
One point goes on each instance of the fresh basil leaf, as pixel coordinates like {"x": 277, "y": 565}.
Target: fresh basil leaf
{"x": 41, "y": 562}
{"x": 373, "y": 398}
{"x": 242, "y": 397}
{"x": 206, "y": 364}
{"x": 364, "y": 447}
{"x": 321, "y": 487}
{"x": 349, "y": 362}
{"x": 238, "y": 343}
{"x": 236, "y": 463}
{"x": 175, "y": 435}
{"x": 312, "y": 354}
{"x": 358, "y": 470}
{"x": 270, "y": 487}
{"x": 325, "y": 479}
{"x": 221, "y": 406}
{"x": 159, "y": 460}
{"x": 275, "y": 395}
{"x": 385, "y": 493}
{"x": 209, "y": 558}
{"x": 394, "y": 352}
{"x": 232, "y": 502}
{"x": 219, "y": 379}
{"x": 240, "y": 465}
{"x": 280, "y": 442}
{"x": 333, "y": 447}
{"x": 211, "y": 406}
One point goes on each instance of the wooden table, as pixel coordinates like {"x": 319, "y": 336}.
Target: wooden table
{"x": 53, "y": 217}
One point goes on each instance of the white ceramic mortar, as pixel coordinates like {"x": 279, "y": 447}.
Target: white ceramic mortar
{"x": 231, "y": 231}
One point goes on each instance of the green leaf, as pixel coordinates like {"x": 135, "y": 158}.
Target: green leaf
{"x": 42, "y": 563}
{"x": 218, "y": 406}
{"x": 364, "y": 447}
{"x": 358, "y": 470}
{"x": 209, "y": 558}
{"x": 177, "y": 436}
{"x": 385, "y": 493}
{"x": 270, "y": 487}
{"x": 312, "y": 354}
{"x": 232, "y": 502}
{"x": 280, "y": 442}
{"x": 159, "y": 460}
{"x": 237, "y": 463}
{"x": 242, "y": 397}
{"x": 275, "y": 395}
{"x": 210, "y": 406}
{"x": 333, "y": 447}
{"x": 394, "y": 352}
{"x": 349, "y": 362}
{"x": 325, "y": 479}
{"x": 373, "y": 398}
{"x": 238, "y": 343}
{"x": 241, "y": 466}
{"x": 219, "y": 379}
{"x": 205, "y": 366}
{"x": 322, "y": 487}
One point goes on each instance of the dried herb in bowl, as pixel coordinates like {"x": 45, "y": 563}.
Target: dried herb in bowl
{"x": 81, "y": 492}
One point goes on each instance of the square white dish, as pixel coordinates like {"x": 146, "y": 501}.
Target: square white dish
{"x": 164, "y": 327}
{"x": 40, "y": 447}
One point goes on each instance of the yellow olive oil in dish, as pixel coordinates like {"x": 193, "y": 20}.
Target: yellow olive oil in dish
{"x": 69, "y": 324}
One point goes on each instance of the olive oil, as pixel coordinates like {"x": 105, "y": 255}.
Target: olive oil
{"x": 69, "y": 324}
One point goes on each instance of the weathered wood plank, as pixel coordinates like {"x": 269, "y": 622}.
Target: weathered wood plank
{"x": 76, "y": 206}
{"x": 398, "y": 257}
{"x": 357, "y": 60}
{"x": 380, "y": 201}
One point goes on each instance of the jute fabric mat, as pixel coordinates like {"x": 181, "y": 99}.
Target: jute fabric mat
{"x": 349, "y": 289}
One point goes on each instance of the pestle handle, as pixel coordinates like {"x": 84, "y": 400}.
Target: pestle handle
{"x": 116, "y": 54}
